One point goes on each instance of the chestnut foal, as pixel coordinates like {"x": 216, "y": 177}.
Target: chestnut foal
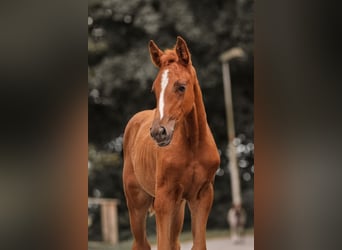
{"x": 170, "y": 156}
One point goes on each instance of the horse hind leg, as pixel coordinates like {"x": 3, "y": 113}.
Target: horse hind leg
{"x": 138, "y": 203}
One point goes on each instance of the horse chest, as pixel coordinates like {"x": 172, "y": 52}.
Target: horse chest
{"x": 188, "y": 173}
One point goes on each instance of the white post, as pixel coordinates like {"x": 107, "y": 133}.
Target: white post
{"x": 109, "y": 219}
{"x": 234, "y": 171}
{"x": 236, "y": 216}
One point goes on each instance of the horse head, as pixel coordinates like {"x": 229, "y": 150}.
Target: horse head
{"x": 173, "y": 88}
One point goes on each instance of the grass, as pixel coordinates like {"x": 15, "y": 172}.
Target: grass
{"x": 185, "y": 236}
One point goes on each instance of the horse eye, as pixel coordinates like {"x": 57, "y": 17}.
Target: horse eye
{"x": 181, "y": 88}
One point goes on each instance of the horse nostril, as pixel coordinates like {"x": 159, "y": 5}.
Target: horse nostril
{"x": 153, "y": 133}
{"x": 162, "y": 131}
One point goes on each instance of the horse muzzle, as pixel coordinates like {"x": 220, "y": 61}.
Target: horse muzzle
{"x": 162, "y": 134}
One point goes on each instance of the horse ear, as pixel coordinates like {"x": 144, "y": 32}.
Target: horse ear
{"x": 183, "y": 51}
{"x": 155, "y": 54}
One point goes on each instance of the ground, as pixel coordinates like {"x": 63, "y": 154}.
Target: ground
{"x": 222, "y": 244}
{"x": 216, "y": 241}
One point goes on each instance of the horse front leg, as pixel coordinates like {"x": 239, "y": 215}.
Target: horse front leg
{"x": 138, "y": 203}
{"x": 200, "y": 207}
{"x": 169, "y": 210}
{"x": 177, "y": 224}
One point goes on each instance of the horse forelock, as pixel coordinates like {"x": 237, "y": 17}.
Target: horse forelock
{"x": 168, "y": 57}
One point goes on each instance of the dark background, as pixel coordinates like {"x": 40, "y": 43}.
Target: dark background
{"x": 120, "y": 76}
{"x": 297, "y": 76}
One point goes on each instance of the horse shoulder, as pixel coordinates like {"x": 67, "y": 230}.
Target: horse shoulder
{"x": 140, "y": 118}
{"x": 140, "y": 149}
{"x": 209, "y": 156}
{"x": 136, "y": 123}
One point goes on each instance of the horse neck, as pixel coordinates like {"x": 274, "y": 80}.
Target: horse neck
{"x": 196, "y": 121}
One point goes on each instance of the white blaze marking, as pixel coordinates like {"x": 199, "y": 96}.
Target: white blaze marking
{"x": 164, "y": 82}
